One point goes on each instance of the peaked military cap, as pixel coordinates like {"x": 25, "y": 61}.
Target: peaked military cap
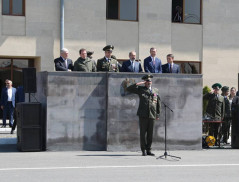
{"x": 216, "y": 86}
{"x": 89, "y": 53}
{"x": 108, "y": 48}
{"x": 225, "y": 88}
{"x": 147, "y": 77}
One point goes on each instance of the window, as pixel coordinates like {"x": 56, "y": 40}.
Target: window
{"x": 13, "y": 7}
{"x": 189, "y": 67}
{"x": 122, "y": 10}
{"x": 11, "y": 68}
{"x": 186, "y": 11}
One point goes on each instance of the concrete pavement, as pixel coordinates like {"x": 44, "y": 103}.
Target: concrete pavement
{"x": 204, "y": 165}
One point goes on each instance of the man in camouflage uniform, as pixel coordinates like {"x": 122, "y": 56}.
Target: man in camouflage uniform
{"x": 227, "y": 117}
{"x": 83, "y": 63}
{"x": 215, "y": 110}
{"x": 148, "y": 111}
{"x": 107, "y": 63}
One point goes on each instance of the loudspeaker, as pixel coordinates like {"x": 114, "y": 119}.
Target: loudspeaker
{"x": 29, "y": 80}
{"x": 28, "y": 114}
{"x": 29, "y": 126}
{"x": 29, "y": 139}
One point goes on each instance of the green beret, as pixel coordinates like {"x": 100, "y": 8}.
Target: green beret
{"x": 216, "y": 86}
{"x": 225, "y": 88}
{"x": 108, "y": 48}
{"x": 147, "y": 77}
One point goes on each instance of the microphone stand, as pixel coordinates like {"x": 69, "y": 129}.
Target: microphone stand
{"x": 165, "y": 139}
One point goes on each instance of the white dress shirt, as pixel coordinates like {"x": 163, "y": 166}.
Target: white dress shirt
{"x": 9, "y": 93}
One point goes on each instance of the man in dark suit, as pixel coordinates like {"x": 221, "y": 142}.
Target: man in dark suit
{"x": 20, "y": 97}
{"x": 152, "y": 64}
{"x": 131, "y": 65}
{"x": 63, "y": 63}
{"x": 170, "y": 67}
{"x": 148, "y": 111}
{"x": 8, "y": 102}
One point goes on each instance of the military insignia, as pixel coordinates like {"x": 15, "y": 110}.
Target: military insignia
{"x": 127, "y": 82}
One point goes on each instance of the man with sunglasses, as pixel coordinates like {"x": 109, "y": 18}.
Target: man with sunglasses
{"x": 148, "y": 111}
{"x": 107, "y": 63}
{"x": 8, "y": 102}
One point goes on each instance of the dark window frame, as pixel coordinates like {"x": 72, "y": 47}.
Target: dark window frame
{"x": 137, "y": 14}
{"x": 11, "y": 9}
{"x": 11, "y": 68}
{"x": 180, "y": 62}
{"x": 183, "y": 13}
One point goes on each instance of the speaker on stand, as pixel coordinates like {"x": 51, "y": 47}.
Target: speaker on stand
{"x": 30, "y": 126}
{"x": 29, "y": 81}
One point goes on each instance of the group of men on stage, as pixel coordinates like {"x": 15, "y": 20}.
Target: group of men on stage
{"x": 149, "y": 106}
{"x": 152, "y": 64}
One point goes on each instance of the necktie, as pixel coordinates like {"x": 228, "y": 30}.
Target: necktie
{"x": 66, "y": 63}
{"x": 132, "y": 65}
{"x": 171, "y": 68}
{"x": 153, "y": 61}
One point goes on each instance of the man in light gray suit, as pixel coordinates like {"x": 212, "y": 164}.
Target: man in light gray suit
{"x": 131, "y": 65}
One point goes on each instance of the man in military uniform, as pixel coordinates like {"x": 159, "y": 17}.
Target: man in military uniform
{"x": 215, "y": 110}
{"x": 89, "y": 54}
{"x": 107, "y": 63}
{"x": 227, "y": 117}
{"x": 83, "y": 63}
{"x": 148, "y": 111}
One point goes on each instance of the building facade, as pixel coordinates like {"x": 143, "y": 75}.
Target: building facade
{"x": 202, "y": 34}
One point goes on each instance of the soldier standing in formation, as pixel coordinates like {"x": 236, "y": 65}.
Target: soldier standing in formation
{"x": 215, "y": 109}
{"x": 148, "y": 111}
{"x": 227, "y": 117}
{"x": 107, "y": 63}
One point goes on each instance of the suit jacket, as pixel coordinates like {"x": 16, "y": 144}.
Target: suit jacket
{"x": 20, "y": 95}
{"x": 4, "y": 96}
{"x": 150, "y": 67}
{"x": 127, "y": 67}
{"x": 149, "y": 103}
{"x": 176, "y": 68}
{"x": 61, "y": 66}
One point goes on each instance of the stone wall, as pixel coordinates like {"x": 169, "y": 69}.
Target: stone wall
{"x": 92, "y": 111}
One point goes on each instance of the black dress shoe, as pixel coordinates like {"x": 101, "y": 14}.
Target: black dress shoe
{"x": 3, "y": 126}
{"x": 12, "y": 131}
{"x": 150, "y": 153}
{"x": 144, "y": 153}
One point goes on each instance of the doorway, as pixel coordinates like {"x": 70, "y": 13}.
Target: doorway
{"x": 11, "y": 68}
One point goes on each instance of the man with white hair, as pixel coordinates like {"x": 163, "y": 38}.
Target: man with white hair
{"x": 63, "y": 63}
{"x": 8, "y": 102}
